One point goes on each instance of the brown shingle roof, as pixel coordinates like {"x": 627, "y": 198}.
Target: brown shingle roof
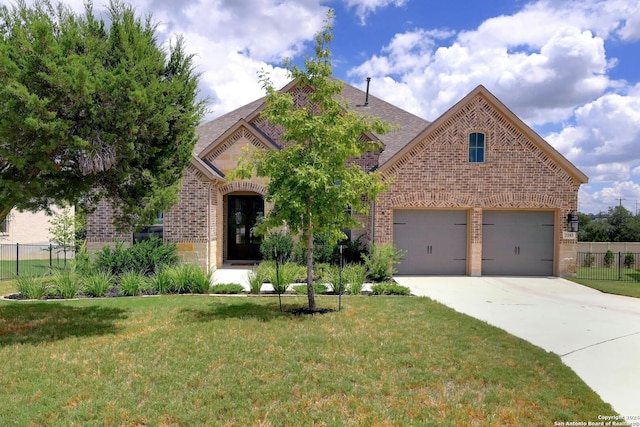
{"x": 211, "y": 130}
{"x": 409, "y": 124}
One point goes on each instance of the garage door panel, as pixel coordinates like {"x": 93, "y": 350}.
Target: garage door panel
{"x": 434, "y": 241}
{"x": 517, "y": 243}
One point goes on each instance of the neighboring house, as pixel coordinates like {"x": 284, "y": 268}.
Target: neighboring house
{"x": 476, "y": 192}
{"x": 26, "y": 227}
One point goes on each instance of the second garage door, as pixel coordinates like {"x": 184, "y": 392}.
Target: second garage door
{"x": 435, "y": 241}
{"x": 517, "y": 243}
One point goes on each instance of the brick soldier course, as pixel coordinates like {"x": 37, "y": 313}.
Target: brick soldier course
{"x": 427, "y": 164}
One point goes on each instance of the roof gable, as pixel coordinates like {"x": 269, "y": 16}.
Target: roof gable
{"x": 239, "y": 129}
{"x": 408, "y": 125}
{"x": 509, "y": 119}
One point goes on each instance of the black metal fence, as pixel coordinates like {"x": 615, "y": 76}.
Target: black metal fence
{"x": 36, "y": 260}
{"x": 623, "y": 266}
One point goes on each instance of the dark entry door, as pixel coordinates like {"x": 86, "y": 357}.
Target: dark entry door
{"x": 243, "y": 213}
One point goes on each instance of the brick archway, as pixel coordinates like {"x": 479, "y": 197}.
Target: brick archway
{"x": 233, "y": 187}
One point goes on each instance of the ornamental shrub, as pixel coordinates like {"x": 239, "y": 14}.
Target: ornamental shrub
{"x": 98, "y": 284}
{"x": 608, "y": 258}
{"x": 146, "y": 257}
{"x": 388, "y": 288}
{"x": 66, "y": 283}
{"x": 354, "y": 275}
{"x": 381, "y": 261}
{"x": 31, "y": 287}
{"x": 629, "y": 260}
{"x": 589, "y": 259}
{"x": 277, "y": 242}
{"x": 227, "y": 288}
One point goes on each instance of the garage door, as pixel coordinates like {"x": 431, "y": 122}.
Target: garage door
{"x": 435, "y": 241}
{"x": 517, "y": 243}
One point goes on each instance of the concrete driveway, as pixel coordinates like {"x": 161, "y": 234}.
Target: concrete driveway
{"x": 596, "y": 334}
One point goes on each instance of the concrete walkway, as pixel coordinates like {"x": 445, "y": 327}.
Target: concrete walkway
{"x": 595, "y": 334}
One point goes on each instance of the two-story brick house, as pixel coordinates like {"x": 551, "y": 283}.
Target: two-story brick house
{"x": 475, "y": 192}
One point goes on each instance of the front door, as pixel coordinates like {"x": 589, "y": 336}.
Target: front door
{"x": 243, "y": 213}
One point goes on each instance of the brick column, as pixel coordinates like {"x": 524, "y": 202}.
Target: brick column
{"x": 474, "y": 263}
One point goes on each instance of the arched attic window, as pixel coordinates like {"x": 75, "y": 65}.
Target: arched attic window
{"x": 476, "y": 147}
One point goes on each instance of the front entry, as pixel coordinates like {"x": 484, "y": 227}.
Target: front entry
{"x": 242, "y": 214}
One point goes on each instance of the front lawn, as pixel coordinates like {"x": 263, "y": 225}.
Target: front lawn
{"x": 616, "y": 287}
{"x": 201, "y": 360}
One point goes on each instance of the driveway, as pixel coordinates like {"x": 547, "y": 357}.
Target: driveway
{"x": 596, "y": 334}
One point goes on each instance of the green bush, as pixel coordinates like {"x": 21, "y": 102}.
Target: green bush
{"x": 83, "y": 265}
{"x": 257, "y": 277}
{"x": 354, "y": 275}
{"x": 133, "y": 283}
{"x": 629, "y": 260}
{"x": 283, "y": 276}
{"x": 381, "y": 261}
{"x": 32, "y": 287}
{"x": 163, "y": 282}
{"x": 66, "y": 283}
{"x": 277, "y": 241}
{"x": 227, "y": 288}
{"x": 608, "y": 258}
{"x": 388, "y": 288}
{"x": 331, "y": 276}
{"x": 199, "y": 279}
{"x": 182, "y": 278}
{"x": 589, "y": 259}
{"x": 146, "y": 257}
{"x": 98, "y": 284}
{"x": 318, "y": 288}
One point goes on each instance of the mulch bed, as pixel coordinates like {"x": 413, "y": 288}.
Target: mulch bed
{"x": 305, "y": 310}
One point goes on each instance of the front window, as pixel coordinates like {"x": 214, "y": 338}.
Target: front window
{"x": 476, "y": 147}
{"x": 3, "y": 226}
{"x": 156, "y": 229}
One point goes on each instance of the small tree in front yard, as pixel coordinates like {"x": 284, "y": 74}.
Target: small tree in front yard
{"x": 629, "y": 260}
{"x": 63, "y": 230}
{"x": 608, "y": 258}
{"x": 312, "y": 183}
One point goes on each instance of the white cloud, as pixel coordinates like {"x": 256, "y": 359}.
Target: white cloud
{"x": 594, "y": 199}
{"x": 366, "y": 7}
{"x": 541, "y": 71}
{"x": 605, "y": 138}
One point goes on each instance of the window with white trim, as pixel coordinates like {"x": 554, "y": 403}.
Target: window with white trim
{"x": 476, "y": 147}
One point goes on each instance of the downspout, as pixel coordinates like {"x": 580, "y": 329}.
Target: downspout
{"x": 209, "y": 228}
{"x": 373, "y": 222}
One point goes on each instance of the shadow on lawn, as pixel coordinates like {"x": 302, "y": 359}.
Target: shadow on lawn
{"x": 245, "y": 310}
{"x": 36, "y": 323}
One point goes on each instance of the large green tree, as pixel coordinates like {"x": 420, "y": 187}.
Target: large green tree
{"x": 312, "y": 182}
{"x": 617, "y": 225}
{"x": 92, "y": 108}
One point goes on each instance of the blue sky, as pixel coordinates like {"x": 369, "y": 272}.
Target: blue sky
{"x": 568, "y": 68}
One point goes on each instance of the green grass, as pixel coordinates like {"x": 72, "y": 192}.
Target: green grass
{"x": 7, "y": 287}
{"x": 616, "y": 287}
{"x": 201, "y": 360}
{"x": 32, "y": 267}
{"x": 611, "y": 273}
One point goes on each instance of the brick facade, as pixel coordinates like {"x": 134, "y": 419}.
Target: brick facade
{"x": 426, "y": 164}
{"x": 517, "y": 174}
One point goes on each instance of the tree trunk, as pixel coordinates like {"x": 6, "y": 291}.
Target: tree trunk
{"x": 310, "y": 292}
{"x": 4, "y": 212}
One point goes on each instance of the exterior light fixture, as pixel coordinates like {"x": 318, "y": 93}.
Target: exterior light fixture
{"x": 572, "y": 221}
